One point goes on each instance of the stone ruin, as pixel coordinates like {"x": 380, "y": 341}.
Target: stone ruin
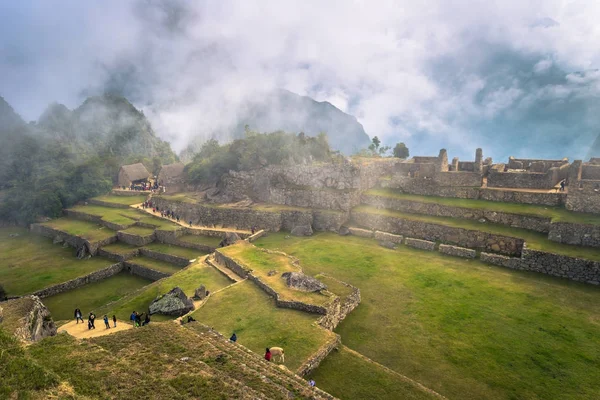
{"x": 175, "y": 302}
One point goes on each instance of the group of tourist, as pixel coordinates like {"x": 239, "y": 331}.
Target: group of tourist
{"x": 92, "y": 319}
{"x": 138, "y": 320}
{"x": 163, "y": 213}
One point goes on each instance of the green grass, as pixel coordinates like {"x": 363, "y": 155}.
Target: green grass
{"x": 261, "y": 262}
{"x": 252, "y": 315}
{"x": 188, "y": 279}
{"x": 29, "y": 262}
{"x": 535, "y": 240}
{"x": 557, "y": 214}
{"x": 139, "y": 231}
{"x": 362, "y": 380}
{"x": 87, "y": 230}
{"x": 154, "y": 264}
{"x": 125, "y": 200}
{"x": 109, "y": 214}
{"x": 460, "y": 327}
{"x": 93, "y": 295}
{"x": 165, "y": 248}
{"x": 212, "y": 241}
{"x": 119, "y": 248}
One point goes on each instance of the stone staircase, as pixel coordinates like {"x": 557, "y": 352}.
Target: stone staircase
{"x": 252, "y": 363}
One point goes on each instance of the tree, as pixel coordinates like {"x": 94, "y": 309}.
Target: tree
{"x": 401, "y": 151}
{"x": 374, "y": 147}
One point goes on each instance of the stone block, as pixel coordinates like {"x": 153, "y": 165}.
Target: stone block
{"x": 361, "y": 232}
{"x": 420, "y": 244}
{"x": 389, "y": 237}
{"x": 457, "y": 251}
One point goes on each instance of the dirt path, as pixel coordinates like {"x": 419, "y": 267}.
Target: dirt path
{"x": 80, "y": 330}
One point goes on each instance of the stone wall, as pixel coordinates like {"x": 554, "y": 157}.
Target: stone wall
{"x": 94, "y": 218}
{"x": 71, "y": 240}
{"x": 82, "y": 280}
{"x": 119, "y": 192}
{"x": 313, "y": 362}
{"x": 576, "y": 269}
{"x": 577, "y": 234}
{"x": 117, "y": 256}
{"x": 144, "y": 272}
{"x": 584, "y": 196}
{"x": 590, "y": 172}
{"x": 246, "y": 218}
{"x": 420, "y": 244}
{"x": 361, "y": 232}
{"x": 523, "y": 180}
{"x": 179, "y": 261}
{"x": 502, "y": 261}
{"x": 457, "y": 251}
{"x": 458, "y": 178}
{"x": 512, "y": 196}
{"x": 135, "y": 240}
{"x": 428, "y": 187}
{"x": 434, "y": 232}
{"x": 388, "y": 237}
{"x": 539, "y": 224}
{"x": 340, "y": 308}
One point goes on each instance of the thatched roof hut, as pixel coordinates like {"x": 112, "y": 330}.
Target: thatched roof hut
{"x": 132, "y": 173}
{"x": 171, "y": 173}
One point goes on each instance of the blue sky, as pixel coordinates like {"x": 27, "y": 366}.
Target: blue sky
{"x": 513, "y": 77}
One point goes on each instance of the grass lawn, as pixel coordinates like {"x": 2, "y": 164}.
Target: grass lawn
{"x": 87, "y": 230}
{"x": 212, "y": 241}
{"x": 252, "y": 315}
{"x": 362, "y": 379}
{"x": 93, "y": 295}
{"x": 30, "y": 262}
{"x": 139, "y": 231}
{"x": 535, "y": 240}
{"x": 157, "y": 265}
{"x": 460, "y": 327}
{"x": 557, "y": 214}
{"x": 125, "y": 200}
{"x": 261, "y": 262}
{"x": 166, "y": 248}
{"x": 109, "y": 214}
{"x": 189, "y": 279}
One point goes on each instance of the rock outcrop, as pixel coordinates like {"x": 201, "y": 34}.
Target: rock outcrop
{"x": 173, "y": 303}
{"x": 200, "y": 293}
{"x": 302, "y": 230}
{"x": 305, "y": 283}
{"x": 28, "y": 318}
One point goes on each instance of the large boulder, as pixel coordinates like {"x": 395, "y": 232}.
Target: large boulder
{"x": 200, "y": 293}
{"x": 230, "y": 238}
{"x": 300, "y": 281}
{"x": 30, "y": 317}
{"x": 302, "y": 230}
{"x": 173, "y": 303}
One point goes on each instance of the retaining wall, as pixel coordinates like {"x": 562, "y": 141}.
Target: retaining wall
{"x": 95, "y": 218}
{"x": 179, "y": 261}
{"x": 512, "y": 196}
{"x": 71, "y": 240}
{"x": 420, "y": 244}
{"x": 135, "y": 240}
{"x": 361, "y": 232}
{"x": 539, "y": 224}
{"x": 82, "y": 280}
{"x": 313, "y": 362}
{"x": 144, "y": 272}
{"x": 434, "y": 232}
{"x": 116, "y": 256}
{"x": 576, "y": 269}
{"x": 577, "y": 234}
{"x": 457, "y": 251}
{"x": 388, "y": 237}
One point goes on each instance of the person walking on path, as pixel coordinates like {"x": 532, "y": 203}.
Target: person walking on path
{"x": 312, "y": 383}
{"x": 233, "y": 338}
{"x": 115, "y": 320}
{"x": 78, "y": 315}
{"x": 106, "y": 321}
{"x": 91, "y": 320}
{"x": 132, "y": 318}
{"x": 146, "y": 320}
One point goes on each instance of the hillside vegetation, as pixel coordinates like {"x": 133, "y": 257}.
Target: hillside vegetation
{"x": 68, "y": 156}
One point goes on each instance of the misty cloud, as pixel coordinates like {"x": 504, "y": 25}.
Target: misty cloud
{"x": 512, "y": 77}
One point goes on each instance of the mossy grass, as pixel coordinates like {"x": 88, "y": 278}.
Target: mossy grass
{"x": 252, "y": 315}
{"x": 535, "y": 240}
{"x": 460, "y": 327}
{"x": 261, "y": 263}
{"x": 139, "y": 231}
{"x": 29, "y": 262}
{"x": 87, "y": 230}
{"x": 119, "y": 248}
{"x": 179, "y": 251}
{"x": 556, "y": 214}
{"x": 212, "y": 241}
{"x": 93, "y": 295}
{"x": 154, "y": 264}
{"x": 109, "y": 214}
{"x": 363, "y": 380}
{"x": 187, "y": 279}
{"x": 124, "y": 200}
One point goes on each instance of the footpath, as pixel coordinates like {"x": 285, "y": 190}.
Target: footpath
{"x": 81, "y": 331}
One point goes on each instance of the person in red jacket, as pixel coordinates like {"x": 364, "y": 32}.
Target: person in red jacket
{"x": 268, "y": 355}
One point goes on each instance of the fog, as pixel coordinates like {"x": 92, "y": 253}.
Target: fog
{"x": 513, "y": 77}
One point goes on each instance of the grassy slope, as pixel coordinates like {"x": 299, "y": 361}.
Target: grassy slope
{"x": 261, "y": 263}
{"x": 189, "y": 279}
{"x": 119, "y": 248}
{"x": 87, "y": 230}
{"x": 175, "y": 250}
{"x": 126, "y": 216}
{"x": 362, "y": 380}
{"x": 93, "y": 295}
{"x": 252, "y": 315}
{"x": 212, "y": 241}
{"x": 125, "y": 200}
{"x": 460, "y": 327}
{"x": 535, "y": 240}
{"x": 29, "y": 262}
{"x": 557, "y": 214}
{"x": 138, "y": 230}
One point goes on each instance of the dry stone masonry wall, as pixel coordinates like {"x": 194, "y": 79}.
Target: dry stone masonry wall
{"x": 82, "y": 280}
{"x": 420, "y": 244}
{"x": 457, "y": 251}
